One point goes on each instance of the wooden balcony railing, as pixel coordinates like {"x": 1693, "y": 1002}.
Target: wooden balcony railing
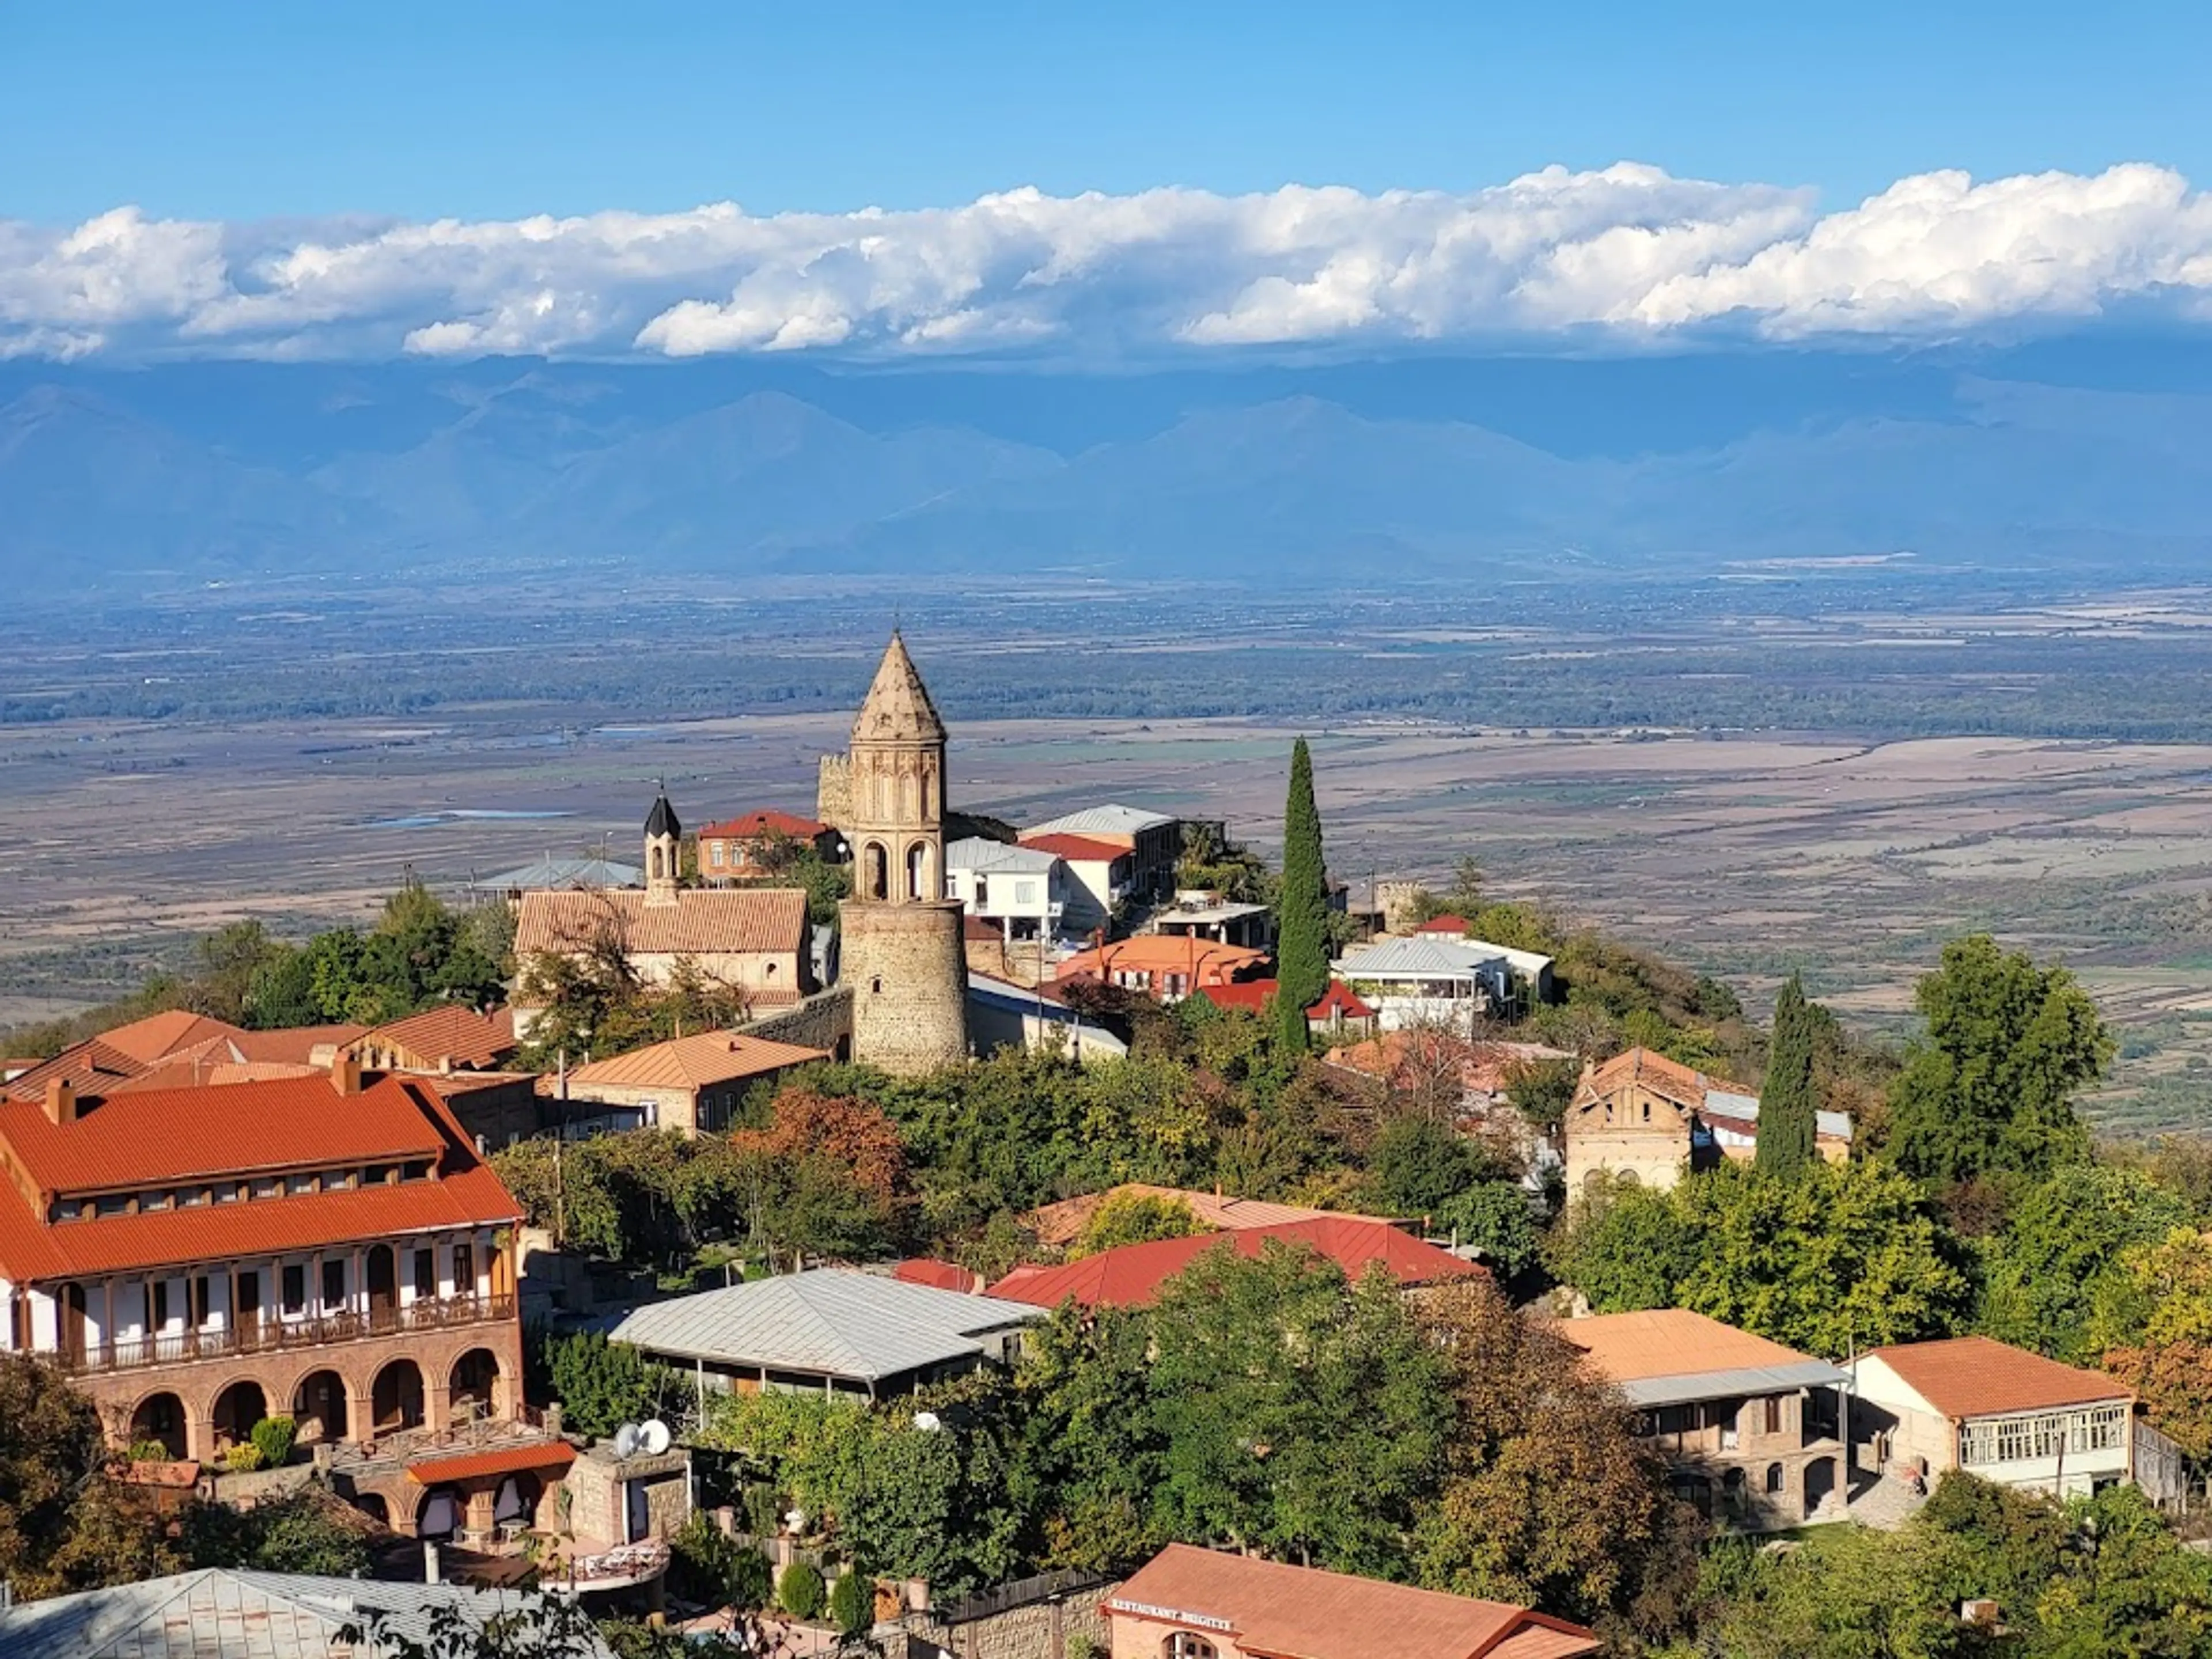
{"x": 270, "y": 1334}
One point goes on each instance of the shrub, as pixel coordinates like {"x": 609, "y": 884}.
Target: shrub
{"x": 852, "y": 1603}
{"x": 243, "y": 1458}
{"x": 763, "y": 1511}
{"x": 799, "y": 1590}
{"x": 752, "y": 1582}
{"x": 148, "y": 1451}
{"x": 274, "y": 1436}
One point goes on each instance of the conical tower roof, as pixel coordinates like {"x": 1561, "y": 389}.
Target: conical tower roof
{"x": 897, "y": 709}
{"x": 661, "y": 821}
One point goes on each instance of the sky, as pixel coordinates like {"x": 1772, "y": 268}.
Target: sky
{"x": 266, "y": 136}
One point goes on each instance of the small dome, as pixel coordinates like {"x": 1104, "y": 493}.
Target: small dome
{"x": 897, "y": 709}
{"x": 661, "y": 821}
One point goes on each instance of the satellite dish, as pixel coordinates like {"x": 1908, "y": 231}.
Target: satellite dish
{"x": 626, "y": 1441}
{"x": 652, "y": 1438}
{"x": 929, "y": 1422}
{"x": 794, "y": 1521}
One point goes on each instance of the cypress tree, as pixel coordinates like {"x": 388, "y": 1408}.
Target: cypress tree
{"x": 1302, "y": 912}
{"x": 1786, "y": 1103}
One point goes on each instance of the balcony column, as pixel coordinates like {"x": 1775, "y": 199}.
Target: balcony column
{"x": 438, "y": 1402}
{"x": 200, "y": 1430}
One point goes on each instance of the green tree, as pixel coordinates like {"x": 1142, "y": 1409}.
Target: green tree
{"x": 601, "y": 1384}
{"x": 308, "y": 1530}
{"x": 1837, "y": 1255}
{"x": 1297, "y": 1414}
{"x": 1301, "y": 932}
{"x": 1624, "y": 1246}
{"x": 2061, "y": 1260}
{"x": 1787, "y": 1104}
{"x": 1089, "y": 1450}
{"x": 1133, "y": 1218}
{"x": 1990, "y": 1090}
{"x": 1494, "y": 1217}
{"x": 1418, "y": 1165}
{"x": 50, "y": 1447}
{"x": 1542, "y": 1090}
{"x": 852, "y": 1603}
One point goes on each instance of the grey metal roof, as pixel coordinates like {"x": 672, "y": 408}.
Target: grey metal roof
{"x": 1723, "y": 1102}
{"x": 1416, "y": 957}
{"x": 830, "y": 1321}
{"x": 218, "y": 1614}
{"x": 1111, "y": 819}
{"x": 979, "y": 852}
{"x": 1714, "y": 1385}
{"x": 550, "y": 872}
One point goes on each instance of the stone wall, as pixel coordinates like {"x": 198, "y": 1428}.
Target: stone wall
{"x": 833, "y": 791}
{"x": 910, "y": 979}
{"x": 823, "y": 1020}
{"x": 1397, "y": 900}
{"x": 1043, "y": 1630}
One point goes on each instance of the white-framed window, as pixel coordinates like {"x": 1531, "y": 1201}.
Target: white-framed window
{"x": 1025, "y": 892}
{"x": 714, "y": 850}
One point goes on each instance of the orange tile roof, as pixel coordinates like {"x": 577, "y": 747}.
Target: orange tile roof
{"x": 184, "y": 1124}
{"x": 202, "y": 1071}
{"x": 1629, "y": 1347}
{"x": 704, "y": 921}
{"x": 1132, "y": 1275}
{"x": 173, "y": 1134}
{"x": 1447, "y": 924}
{"x": 90, "y": 1067}
{"x": 749, "y": 826}
{"x": 1206, "y": 961}
{"x": 1963, "y": 1377}
{"x": 1058, "y": 1225}
{"x": 939, "y": 1275}
{"x": 450, "y": 1032}
{"x": 1669, "y": 1079}
{"x": 1274, "y": 1608}
{"x": 293, "y": 1045}
{"x": 1082, "y": 849}
{"x": 158, "y": 1035}
{"x": 695, "y": 1062}
{"x": 501, "y": 1460}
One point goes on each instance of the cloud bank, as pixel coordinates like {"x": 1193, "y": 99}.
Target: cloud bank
{"x": 1628, "y": 253}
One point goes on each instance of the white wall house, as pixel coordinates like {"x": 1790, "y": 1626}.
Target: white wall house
{"x": 1997, "y": 1412}
{"x": 1423, "y": 982}
{"x": 1020, "y": 889}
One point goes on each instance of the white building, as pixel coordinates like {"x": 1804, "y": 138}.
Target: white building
{"x": 1425, "y": 981}
{"x": 1152, "y": 839}
{"x": 1022, "y": 890}
{"x": 1100, "y": 874}
{"x": 1997, "y": 1412}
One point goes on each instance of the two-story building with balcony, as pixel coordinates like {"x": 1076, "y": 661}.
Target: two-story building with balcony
{"x": 1020, "y": 890}
{"x": 1751, "y": 1431}
{"x": 198, "y": 1259}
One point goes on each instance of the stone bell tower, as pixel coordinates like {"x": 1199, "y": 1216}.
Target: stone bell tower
{"x": 900, "y": 949}
{"x": 664, "y": 853}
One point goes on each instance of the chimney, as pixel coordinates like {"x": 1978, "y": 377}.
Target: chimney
{"x": 61, "y": 1101}
{"x": 345, "y": 1074}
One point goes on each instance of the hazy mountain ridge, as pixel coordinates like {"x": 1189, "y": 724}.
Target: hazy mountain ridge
{"x": 1420, "y": 469}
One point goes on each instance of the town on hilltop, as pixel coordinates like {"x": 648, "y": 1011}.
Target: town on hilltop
{"x": 867, "y": 1225}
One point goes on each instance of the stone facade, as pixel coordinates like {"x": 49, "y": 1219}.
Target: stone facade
{"x": 823, "y": 1020}
{"x": 1046, "y": 1629}
{"x": 833, "y": 791}
{"x": 901, "y": 947}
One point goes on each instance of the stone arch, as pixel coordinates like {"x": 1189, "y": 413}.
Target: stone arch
{"x": 160, "y": 1416}
{"x": 442, "y": 1512}
{"x": 921, "y": 872}
{"x": 371, "y": 1504}
{"x": 395, "y": 1399}
{"x": 321, "y": 1399}
{"x": 238, "y": 1407}
{"x": 517, "y": 1496}
{"x": 475, "y": 1381}
{"x": 875, "y": 870}
{"x": 657, "y": 867}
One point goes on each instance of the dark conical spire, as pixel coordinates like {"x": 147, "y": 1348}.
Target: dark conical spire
{"x": 662, "y": 821}
{"x": 897, "y": 709}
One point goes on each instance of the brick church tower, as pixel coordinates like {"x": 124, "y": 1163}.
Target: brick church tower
{"x": 900, "y": 949}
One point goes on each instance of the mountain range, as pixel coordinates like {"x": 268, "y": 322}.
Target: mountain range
{"x": 2092, "y": 451}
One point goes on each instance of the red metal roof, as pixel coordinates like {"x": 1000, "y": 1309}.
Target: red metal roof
{"x": 1083, "y": 849}
{"x": 1454, "y": 926}
{"x": 502, "y": 1460}
{"x": 1132, "y": 1275}
{"x": 937, "y": 1275}
{"x": 1274, "y": 1607}
{"x": 1252, "y": 994}
{"x": 143, "y": 1139}
{"x": 749, "y": 826}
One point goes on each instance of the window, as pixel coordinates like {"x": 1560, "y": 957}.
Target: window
{"x": 1775, "y": 1479}
{"x": 378, "y": 1174}
{"x": 199, "y": 1290}
{"x": 1025, "y": 892}
{"x": 157, "y": 1200}
{"x": 112, "y": 1204}
{"x": 298, "y": 1184}
{"x": 334, "y": 1282}
{"x": 426, "y": 1272}
{"x": 422, "y": 1172}
{"x": 1773, "y": 1404}
{"x": 192, "y": 1197}
{"x": 266, "y": 1186}
{"x": 714, "y": 854}
{"x": 465, "y": 1270}
{"x": 295, "y": 1289}
{"x": 157, "y": 1316}
{"x": 1184, "y": 1646}
{"x": 230, "y": 1192}
{"x": 1677, "y": 1419}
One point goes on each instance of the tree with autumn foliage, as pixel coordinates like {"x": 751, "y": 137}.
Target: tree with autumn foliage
{"x": 1550, "y": 1501}
{"x": 827, "y": 1177}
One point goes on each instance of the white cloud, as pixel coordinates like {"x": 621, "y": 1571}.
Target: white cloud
{"x": 1628, "y": 251}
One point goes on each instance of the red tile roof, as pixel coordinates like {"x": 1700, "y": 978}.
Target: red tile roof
{"x": 1132, "y": 1275}
{"x": 695, "y": 1062}
{"x": 1668, "y": 1078}
{"x": 449, "y": 1033}
{"x": 751, "y": 826}
{"x": 137, "y": 1141}
{"x": 939, "y": 1275}
{"x": 1060, "y": 1223}
{"x": 1963, "y": 1377}
{"x": 90, "y": 1067}
{"x": 293, "y": 1045}
{"x": 1252, "y": 995}
{"x": 1207, "y": 962}
{"x": 704, "y": 921}
{"x": 1082, "y": 849}
{"x": 182, "y": 1126}
{"x": 501, "y": 1460}
{"x": 207, "y": 1072}
{"x": 1273, "y": 1607}
{"x": 1448, "y": 924}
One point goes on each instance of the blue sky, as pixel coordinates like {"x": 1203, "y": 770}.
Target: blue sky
{"x": 226, "y": 111}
